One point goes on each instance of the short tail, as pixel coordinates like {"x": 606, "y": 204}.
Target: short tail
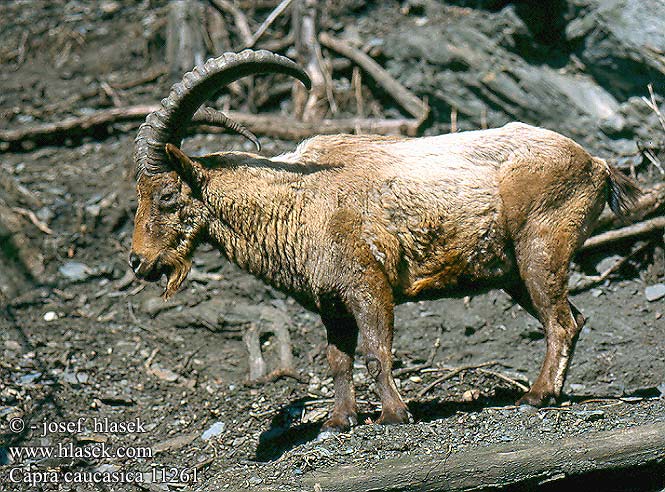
{"x": 622, "y": 192}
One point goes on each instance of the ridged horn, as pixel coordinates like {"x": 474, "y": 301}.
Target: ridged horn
{"x": 168, "y": 124}
{"x": 215, "y": 117}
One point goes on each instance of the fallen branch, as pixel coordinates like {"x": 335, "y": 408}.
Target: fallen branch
{"x": 590, "y": 281}
{"x": 55, "y": 132}
{"x": 453, "y": 372}
{"x": 504, "y": 465}
{"x": 414, "y": 106}
{"x": 651, "y": 200}
{"x": 291, "y": 129}
{"x": 283, "y": 5}
{"x": 635, "y": 230}
{"x": 271, "y": 125}
{"x": 33, "y": 218}
{"x": 505, "y": 378}
{"x": 238, "y": 17}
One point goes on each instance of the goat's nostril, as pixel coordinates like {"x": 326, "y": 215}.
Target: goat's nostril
{"x": 134, "y": 261}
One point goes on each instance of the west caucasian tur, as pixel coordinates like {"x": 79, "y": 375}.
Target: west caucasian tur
{"x": 350, "y": 225}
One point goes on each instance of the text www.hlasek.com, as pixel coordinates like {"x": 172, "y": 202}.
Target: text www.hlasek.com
{"x": 99, "y": 450}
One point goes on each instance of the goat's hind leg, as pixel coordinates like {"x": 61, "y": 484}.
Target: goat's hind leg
{"x": 342, "y": 334}
{"x": 544, "y": 271}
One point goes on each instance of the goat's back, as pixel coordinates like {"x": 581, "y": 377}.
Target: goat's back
{"x": 437, "y": 211}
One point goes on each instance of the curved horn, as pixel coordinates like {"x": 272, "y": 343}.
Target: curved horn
{"x": 168, "y": 124}
{"x": 214, "y": 117}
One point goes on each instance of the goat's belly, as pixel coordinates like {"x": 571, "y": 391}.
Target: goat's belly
{"x": 455, "y": 266}
{"x": 458, "y": 279}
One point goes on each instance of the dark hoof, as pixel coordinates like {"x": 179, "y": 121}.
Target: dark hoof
{"x": 536, "y": 399}
{"x": 337, "y": 425}
{"x": 398, "y": 416}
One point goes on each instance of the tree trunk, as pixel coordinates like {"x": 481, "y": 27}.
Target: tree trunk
{"x": 503, "y": 465}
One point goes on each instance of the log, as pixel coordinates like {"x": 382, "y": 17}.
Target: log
{"x": 291, "y": 129}
{"x": 76, "y": 126}
{"x": 504, "y": 465}
{"x": 414, "y": 106}
{"x": 271, "y": 125}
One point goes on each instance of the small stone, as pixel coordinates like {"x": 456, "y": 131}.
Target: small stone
{"x": 654, "y": 292}
{"x": 12, "y": 345}
{"x": 75, "y": 271}
{"x": 163, "y": 373}
{"x": 110, "y": 7}
{"x": 50, "y": 316}
{"x": 577, "y": 387}
{"x": 213, "y": 431}
{"x": 471, "y": 395}
{"x": 416, "y": 379}
{"x": 29, "y": 378}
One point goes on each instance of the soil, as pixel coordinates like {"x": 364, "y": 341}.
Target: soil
{"x": 94, "y": 343}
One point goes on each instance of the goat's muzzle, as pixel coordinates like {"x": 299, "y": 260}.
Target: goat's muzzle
{"x": 150, "y": 271}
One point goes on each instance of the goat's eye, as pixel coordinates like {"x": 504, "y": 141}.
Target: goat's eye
{"x": 168, "y": 200}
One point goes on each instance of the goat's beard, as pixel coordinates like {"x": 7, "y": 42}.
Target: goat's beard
{"x": 180, "y": 267}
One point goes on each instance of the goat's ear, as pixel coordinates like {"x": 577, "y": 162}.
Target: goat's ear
{"x": 188, "y": 169}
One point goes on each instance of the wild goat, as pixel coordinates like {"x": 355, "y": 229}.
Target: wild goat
{"x": 350, "y": 225}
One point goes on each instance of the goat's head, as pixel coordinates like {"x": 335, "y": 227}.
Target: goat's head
{"x": 171, "y": 217}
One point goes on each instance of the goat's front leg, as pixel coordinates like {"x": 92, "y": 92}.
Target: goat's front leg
{"x": 372, "y": 307}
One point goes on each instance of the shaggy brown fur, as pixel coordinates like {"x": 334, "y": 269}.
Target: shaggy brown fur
{"x": 351, "y": 225}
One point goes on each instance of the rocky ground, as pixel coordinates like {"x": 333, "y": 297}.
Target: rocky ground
{"x": 91, "y": 342}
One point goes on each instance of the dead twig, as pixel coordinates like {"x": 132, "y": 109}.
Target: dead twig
{"x": 239, "y": 19}
{"x": 33, "y": 218}
{"x": 151, "y": 76}
{"x": 412, "y": 104}
{"x": 453, "y": 372}
{"x": 283, "y": 5}
{"x": 653, "y": 105}
{"x": 356, "y": 82}
{"x": 629, "y": 232}
{"x": 505, "y": 378}
{"x": 111, "y": 93}
{"x": 419, "y": 367}
{"x": 590, "y": 281}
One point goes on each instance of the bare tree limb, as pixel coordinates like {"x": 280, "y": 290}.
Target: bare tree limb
{"x": 283, "y": 5}
{"x": 629, "y": 232}
{"x": 239, "y": 18}
{"x": 74, "y": 126}
{"x": 651, "y": 201}
{"x": 271, "y": 125}
{"x": 590, "y": 281}
{"x": 414, "y": 106}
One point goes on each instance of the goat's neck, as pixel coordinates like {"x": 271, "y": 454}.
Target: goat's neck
{"x": 255, "y": 221}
